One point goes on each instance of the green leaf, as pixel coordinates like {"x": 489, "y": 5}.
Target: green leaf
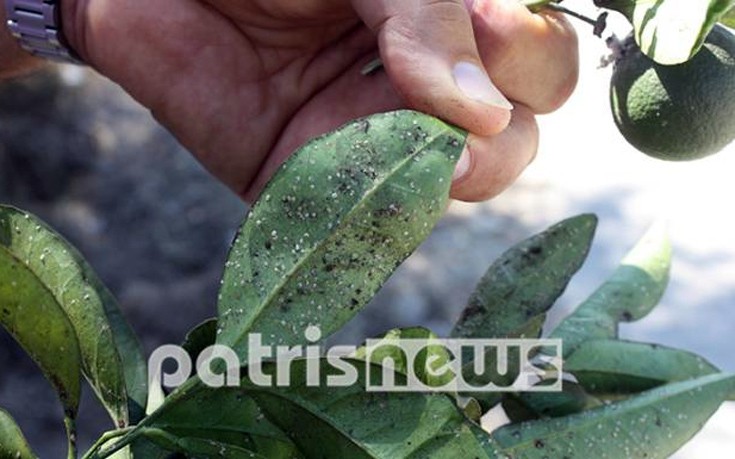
{"x": 196, "y": 415}
{"x": 329, "y": 422}
{"x": 525, "y": 281}
{"x": 491, "y": 374}
{"x": 629, "y": 294}
{"x": 144, "y": 449}
{"x": 332, "y": 225}
{"x": 199, "y": 338}
{"x": 471, "y": 408}
{"x": 425, "y": 366}
{"x": 526, "y": 406}
{"x": 672, "y": 31}
{"x": 200, "y": 447}
{"x": 340, "y": 422}
{"x": 12, "y": 442}
{"x": 111, "y": 357}
{"x": 728, "y": 18}
{"x": 32, "y": 316}
{"x": 517, "y": 290}
{"x": 624, "y": 367}
{"x": 651, "y": 425}
{"x": 196, "y": 340}
{"x": 226, "y": 417}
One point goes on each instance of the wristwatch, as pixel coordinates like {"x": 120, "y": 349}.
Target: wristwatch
{"x": 37, "y": 26}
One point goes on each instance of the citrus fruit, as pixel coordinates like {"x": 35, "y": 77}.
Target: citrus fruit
{"x": 677, "y": 112}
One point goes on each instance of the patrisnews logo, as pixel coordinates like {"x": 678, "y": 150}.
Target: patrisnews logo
{"x": 465, "y": 365}
{"x": 381, "y": 365}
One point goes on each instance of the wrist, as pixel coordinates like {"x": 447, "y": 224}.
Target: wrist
{"x": 72, "y": 18}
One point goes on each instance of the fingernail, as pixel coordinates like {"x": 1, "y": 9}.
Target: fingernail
{"x": 476, "y": 85}
{"x": 463, "y": 165}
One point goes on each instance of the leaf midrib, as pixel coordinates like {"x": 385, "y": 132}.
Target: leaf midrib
{"x": 286, "y": 279}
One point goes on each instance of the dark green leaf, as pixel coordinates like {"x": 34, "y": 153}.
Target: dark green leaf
{"x": 623, "y": 367}
{"x": 142, "y": 448}
{"x": 203, "y": 448}
{"x": 32, "y": 316}
{"x": 632, "y": 292}
{"x": 533, "y": 405}
{"x": 672, "y": 31}
{"x": 491, "y": 374}
{"x": 341, "y": 422}
{"x": 651, "y": 425}
{"x": 525, "y": 281}
{"x": 333, "y": 224}
{"x": 145, "y": 449}
{"x": 516, "y": 410}
{"x": 334, "y": 422}
{"x": 12, "y": 442}
{"x": 197, "y": 415}
{"x": 471, "y": 408}
{"x": 199, "y": 338}
{"x": 515, "y": 293}
{"x": 111, "y": 357}
{"x": 227, "y": 417}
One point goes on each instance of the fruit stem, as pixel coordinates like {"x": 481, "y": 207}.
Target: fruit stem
{"x": 598, "y": 24}
{"x": 561, "y": 9}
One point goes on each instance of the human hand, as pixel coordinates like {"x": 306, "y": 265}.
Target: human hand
{"x": 242, "y": 83}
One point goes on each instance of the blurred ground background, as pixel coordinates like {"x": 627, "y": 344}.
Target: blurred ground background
{"x": 80, "y": 154}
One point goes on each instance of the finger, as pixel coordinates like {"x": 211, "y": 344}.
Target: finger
{"x": 489, "y": 165}
{"x": 495, "y": 161}
{"x": 326, "y": 111}
{"x": 532, "y": 58}
{"x": 431, "y": 57}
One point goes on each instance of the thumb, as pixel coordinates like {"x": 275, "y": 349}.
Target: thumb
{"x": 431, "y": 57}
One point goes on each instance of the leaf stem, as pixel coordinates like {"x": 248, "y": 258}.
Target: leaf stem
{"x": 104, "y": 438}
{"x": 71, "y": 436}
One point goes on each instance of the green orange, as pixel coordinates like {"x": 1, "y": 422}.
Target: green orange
{"x": 677, "y": 112}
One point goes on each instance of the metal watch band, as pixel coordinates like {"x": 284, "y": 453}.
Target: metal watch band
{"x": 37, "y": 26}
